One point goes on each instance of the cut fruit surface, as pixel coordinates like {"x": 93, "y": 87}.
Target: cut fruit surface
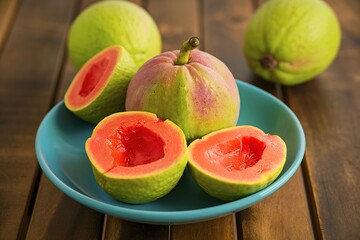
{"x": 92, "y": 78}
{"x": 137, "y": 157}
{"x": 235, "y": 162}
{"x": 99, "y": 88}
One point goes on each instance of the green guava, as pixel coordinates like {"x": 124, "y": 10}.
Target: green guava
{"x": 292, "y": 41}
{"x": 137, "y": 157}
{"x": 235, "y": 162}
{"x": 107, "y": 23}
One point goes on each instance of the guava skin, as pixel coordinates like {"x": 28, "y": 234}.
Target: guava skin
{"x": 291, "y": 42}
{"x": 200, "y": 96}
{"x": 108, "y": 23}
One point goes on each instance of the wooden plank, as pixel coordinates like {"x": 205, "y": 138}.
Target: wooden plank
{"x": 56, "y": 216}
{"x": 116, "y": 228}
{"x": 275, "y": 217}
{"x": 8, "y": 9}
{"x": 329, "y": 108}
{"x": 217, "y": 229}
{"x": 283, "y": 214}
{"x": 68, "y": 219}
{"x": 29, "y": 65}
{"x": 174, "y": 27}
{"x": 224, "y": 28}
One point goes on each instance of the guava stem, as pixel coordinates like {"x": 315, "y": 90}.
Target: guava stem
{"x": 268, "y": 62}
{"x": 185, "y": 50}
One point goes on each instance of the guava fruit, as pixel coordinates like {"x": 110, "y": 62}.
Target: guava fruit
{"x": 107, "y": 23}
{"x": 192, "y": 88}
{"x": 292, "y": 41}
{"x": 231, "y": 163}
{"x": 137, "y": 157}
{"x": 99, "y": 88}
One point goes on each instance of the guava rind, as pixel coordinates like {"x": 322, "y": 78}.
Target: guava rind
{"x": 227, "y": 189}
{"x": 109, "y": 23}
{"x": 200, "y": 96}
{"x": 142, "y": 189}
{"x": 112, "y": 97}
{"x": 302, "y": 35}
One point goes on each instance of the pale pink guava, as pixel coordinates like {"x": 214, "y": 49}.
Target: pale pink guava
{"x": 190, "y": 87}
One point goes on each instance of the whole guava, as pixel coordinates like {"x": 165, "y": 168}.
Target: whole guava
{"x": 292, "y": 41}
{"x": 109, "y": 23}
{"x": 192, "y": 88}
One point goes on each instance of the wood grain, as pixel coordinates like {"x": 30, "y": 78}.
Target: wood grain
{"x": 56, "y": 216}
{"x": 283, "y": 215}
{"x": 217, "y": 229}
{"x": 116, "y": 228}
{"x": 177, "y": 21}
{"x": 8, "y": 10}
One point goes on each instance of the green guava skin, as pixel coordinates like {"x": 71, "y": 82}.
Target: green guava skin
{"x": 302, "y": 36}
{"x": 200, "y": 96}
{"x": 109, "y": 23}
{"x": 112, "y": 97}
{"x": 139, "y": 188}
{"x": 142, "y": 189}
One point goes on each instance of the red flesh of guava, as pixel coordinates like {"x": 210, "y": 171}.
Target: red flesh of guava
{"x": 238, "y": 153}
{"x": 135, "y": 146}
{"x": 92, "y": 78}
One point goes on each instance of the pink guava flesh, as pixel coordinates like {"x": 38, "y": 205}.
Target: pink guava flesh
{"x": 242, "y": 153}
{"x": 237, "y": 153}
{"x": 93, "y": 76}
{"x": 135, "y": 146}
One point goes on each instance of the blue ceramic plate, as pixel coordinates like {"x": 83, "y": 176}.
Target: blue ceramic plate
{"x": 60, "y": 151}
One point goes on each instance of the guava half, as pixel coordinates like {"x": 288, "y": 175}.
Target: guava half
{"x": 235, "y": 162}
{"x": 99, "y": 88}
{"x": 137, "y": 157}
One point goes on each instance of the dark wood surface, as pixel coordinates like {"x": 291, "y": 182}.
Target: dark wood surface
{"x": 321, "y": 201}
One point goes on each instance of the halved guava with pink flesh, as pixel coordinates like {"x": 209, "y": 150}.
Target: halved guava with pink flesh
{"x": 99, "y": 88}
{"x": 137, "y": 157}
{"x": 235, "y": 162}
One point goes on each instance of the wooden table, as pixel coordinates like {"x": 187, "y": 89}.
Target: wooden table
{"x": 321, "y": 201}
